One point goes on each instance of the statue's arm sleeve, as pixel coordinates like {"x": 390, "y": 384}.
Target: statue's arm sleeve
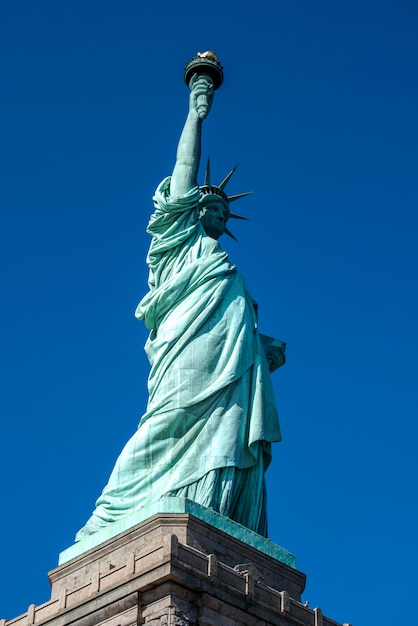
{"x": 174, "y": 216}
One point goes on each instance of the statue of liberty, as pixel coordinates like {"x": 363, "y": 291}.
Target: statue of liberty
{"x": 211, "y": 414}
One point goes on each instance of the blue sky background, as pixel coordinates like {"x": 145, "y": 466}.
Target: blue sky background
{"x": 319, "y": 106}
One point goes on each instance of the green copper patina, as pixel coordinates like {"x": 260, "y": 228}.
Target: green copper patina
{"x": 211, "y": 415}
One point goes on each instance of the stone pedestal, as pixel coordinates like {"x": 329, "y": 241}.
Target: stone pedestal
{"x": 174, "y": 569}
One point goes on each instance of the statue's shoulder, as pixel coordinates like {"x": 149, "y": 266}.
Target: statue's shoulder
{"x": 166, "y": 202}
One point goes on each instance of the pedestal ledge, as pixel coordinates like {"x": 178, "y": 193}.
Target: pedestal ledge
{"x": 174, "y": 505}
{"x": 176, "y": 569}
{"x": 201, "y": 532}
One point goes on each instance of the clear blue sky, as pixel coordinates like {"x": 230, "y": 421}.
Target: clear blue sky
{"x": 319, "y": 106}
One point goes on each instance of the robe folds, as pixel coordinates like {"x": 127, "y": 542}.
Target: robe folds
{"x": 211, "y": 414}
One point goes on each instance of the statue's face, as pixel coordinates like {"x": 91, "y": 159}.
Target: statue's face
{"x": 214, "y": 216}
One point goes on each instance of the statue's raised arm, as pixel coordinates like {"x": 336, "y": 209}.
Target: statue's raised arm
{"x": 185, "y": 170}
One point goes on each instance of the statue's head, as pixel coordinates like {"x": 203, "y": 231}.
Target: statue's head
{"x": 214, "y": 211}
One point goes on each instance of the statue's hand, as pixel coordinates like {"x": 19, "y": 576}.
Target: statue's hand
{"x": 201, "y": 95}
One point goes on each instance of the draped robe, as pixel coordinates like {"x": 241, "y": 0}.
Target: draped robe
{"x": 211, "y": 414}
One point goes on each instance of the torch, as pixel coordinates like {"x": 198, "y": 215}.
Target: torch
{"x": 204, "y": 64}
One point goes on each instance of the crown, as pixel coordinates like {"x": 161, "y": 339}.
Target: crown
{"x": 207, "y": 190}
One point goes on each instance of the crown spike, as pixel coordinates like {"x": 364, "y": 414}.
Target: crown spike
{"x": 227, "y": 178}
{"x": 228, "y": 232}
{"x": 207, "y": 173}
{"x": 238, "y": 196}
{"x": 235, "y": 216}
